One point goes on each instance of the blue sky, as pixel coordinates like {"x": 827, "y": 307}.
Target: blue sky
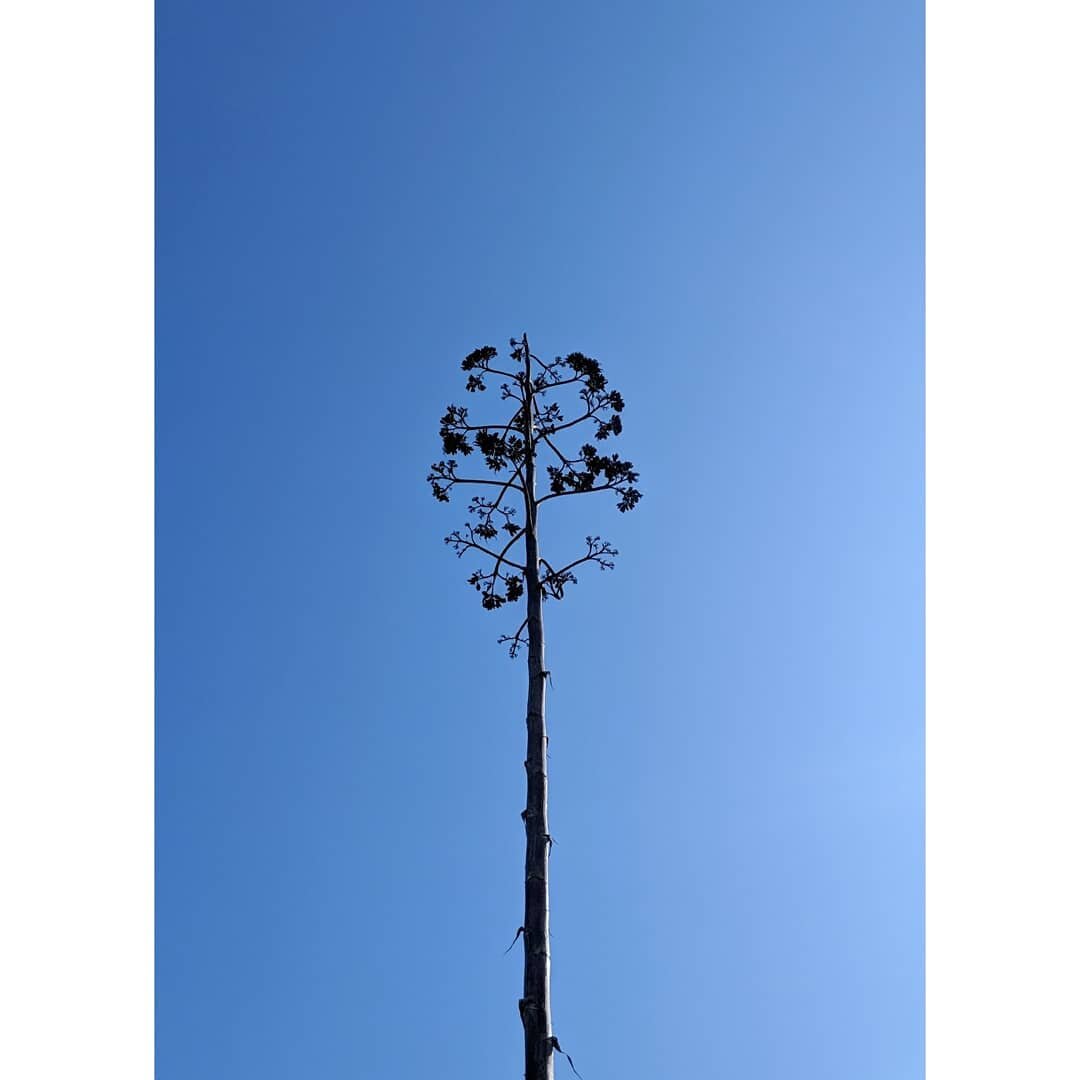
{"x": 724, "y": 204}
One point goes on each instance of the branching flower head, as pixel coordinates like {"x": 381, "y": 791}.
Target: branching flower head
{"x": 526, "y": 441}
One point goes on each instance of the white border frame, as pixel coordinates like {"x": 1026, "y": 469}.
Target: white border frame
{"x": 76, "y": 631}
{"x": 1003, "y": 540}
{"x": 76, "y": 544}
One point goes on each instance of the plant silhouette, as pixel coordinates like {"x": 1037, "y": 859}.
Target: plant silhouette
{"x": 547, "y": 407}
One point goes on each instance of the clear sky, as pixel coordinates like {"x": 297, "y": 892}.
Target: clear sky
{"x": 723, "y": 202}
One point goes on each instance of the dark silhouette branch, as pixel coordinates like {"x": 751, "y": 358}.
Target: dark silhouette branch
{"x": 516, "y": 639}
{"x": 443, "y": 478}
{"x": 585, "y": 491}
{"x": 558, "y": 453}
{"x": 501, "y": 557}
{"x": 461, "y": 544}
{"x": 555, "y": 1046}
{"x": 554, "y": 581}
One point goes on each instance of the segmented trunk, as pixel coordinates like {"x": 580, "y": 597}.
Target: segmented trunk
{"x": 535, "y": 1004}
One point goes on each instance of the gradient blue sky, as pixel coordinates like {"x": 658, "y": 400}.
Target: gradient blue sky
{"x": 722, "y": 202}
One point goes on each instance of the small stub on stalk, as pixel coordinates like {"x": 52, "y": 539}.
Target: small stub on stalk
{"x": 555, "y": 1046}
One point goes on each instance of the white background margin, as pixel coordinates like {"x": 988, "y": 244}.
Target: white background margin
{"x": 1003, "y": 541}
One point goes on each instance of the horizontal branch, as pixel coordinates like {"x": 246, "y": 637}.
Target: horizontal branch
{"x": 488, "y": 427}
{"x": 583, "y": 491}
{"x": 571, "y": 423}
{"x": 453, "y": 478}
{"x": 489, "y": 483}
{"x": 461, "y": 544}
